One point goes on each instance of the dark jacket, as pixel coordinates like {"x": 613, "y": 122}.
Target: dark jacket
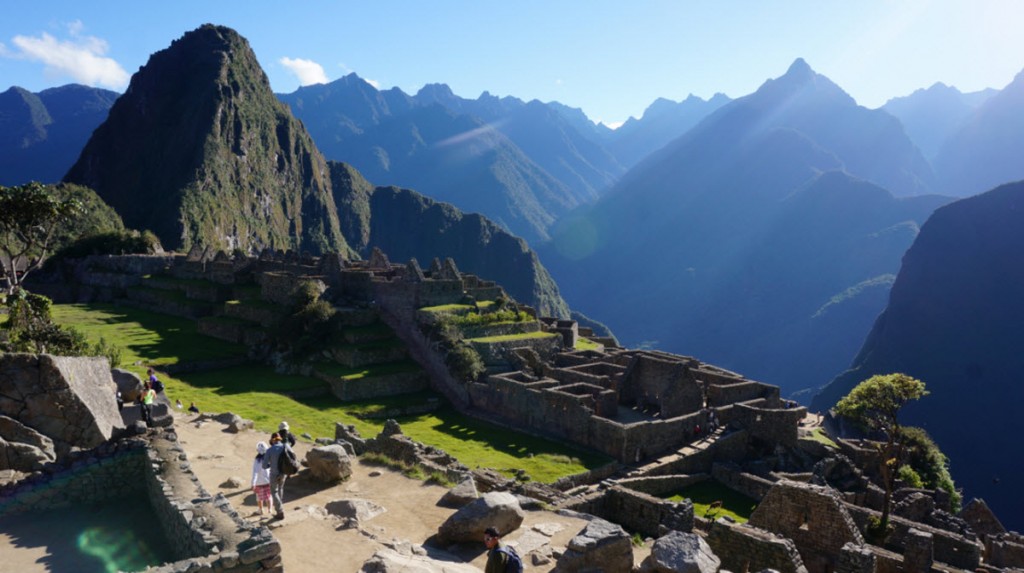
{"x": 496, "y": 560}
{"x": 287, "y": 437}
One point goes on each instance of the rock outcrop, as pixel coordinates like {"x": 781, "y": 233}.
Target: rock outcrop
{"x": 495, "y": 509}
{"x": 70, "y": 400}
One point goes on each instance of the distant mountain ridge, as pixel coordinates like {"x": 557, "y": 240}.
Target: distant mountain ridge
{"x": 749, "y": 225}
{"x": 986, "y": 149}
{"x": 955, "y": 319}
{"x": 932, "y": 115}
{"x": 42, "y": 134}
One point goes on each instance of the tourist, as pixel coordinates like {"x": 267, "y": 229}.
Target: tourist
{"x": 499, "y": 555}
{"x": 155, "y": 382}
{"x": 270, "y": 461}
{"x": 261, "y": 479}
{"x": 148, "y": 395}
{"x": 177, "y": 404}
{"x": 286, "y": 436}
{"x": 193, "y": 408}
{"x": 120, "y": 400}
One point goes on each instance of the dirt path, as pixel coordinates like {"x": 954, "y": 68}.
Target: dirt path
{"x": 312, "y": 541}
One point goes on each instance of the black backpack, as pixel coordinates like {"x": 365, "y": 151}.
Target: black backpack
{"x": 288, "y": 462}
{"x": 514, "y": 563}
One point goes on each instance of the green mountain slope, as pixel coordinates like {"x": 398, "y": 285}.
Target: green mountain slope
{"x": 200, "y": 151}
{"x": 406, "y": 224}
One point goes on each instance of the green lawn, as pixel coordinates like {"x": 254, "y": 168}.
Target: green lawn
{"x": 587, "y": 344}
{"x": 347, "y": 373}
{"x": 705, "y": 493}
{"x": 147, "y": 337}
{"x": 509, "y": 337}
{"x": 258, "y": 393}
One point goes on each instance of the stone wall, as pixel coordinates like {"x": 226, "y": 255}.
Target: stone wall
{"x": 376, "y": 386}
{"x": 747, "y": 548}
{"x": 750, "y": 485}
{"x": 775, "y": 425}
{"x": 814, "y": 517}
{"x": 949, "y": 548}
{"x": 639, "y": 512}
{"x": 664, "y": 385}
{"x": 497, "y": 352}
{"x": 111, "y": 471}
{"x": 203, "y": 533}
{"x": 662, "y": 486}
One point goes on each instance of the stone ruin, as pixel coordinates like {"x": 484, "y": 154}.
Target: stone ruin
{"x": 669, "y": 421}
{"x": 65, "y": 444}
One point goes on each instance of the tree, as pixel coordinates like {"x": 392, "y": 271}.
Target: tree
{"x": 29, "y": 216}
{"x": 875, "y": 404}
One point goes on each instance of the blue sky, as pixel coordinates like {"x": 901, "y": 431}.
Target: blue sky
{"x": 612, "y": 59}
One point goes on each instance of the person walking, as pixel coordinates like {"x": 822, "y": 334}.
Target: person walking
{"x": 261, "y": 479}
{"x": 271, "y": 462}
{"x": 500, "y": 557}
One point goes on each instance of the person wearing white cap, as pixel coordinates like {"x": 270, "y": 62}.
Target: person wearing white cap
{"x": 286, "y": 435}
{"x": 261, "y": 479}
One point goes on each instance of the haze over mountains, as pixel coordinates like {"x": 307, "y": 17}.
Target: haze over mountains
{"x": 760, "y": 233}
{"x": 955, "y": 319}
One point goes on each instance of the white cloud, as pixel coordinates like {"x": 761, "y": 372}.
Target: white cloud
{"x": 373, "y": 83}
{"x": 80, "y": 58}
{"x": 308, "y": 71}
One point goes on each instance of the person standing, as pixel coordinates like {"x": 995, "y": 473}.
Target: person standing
{"x": 286, "y": 435}
{"x": 271, "y": 461}
{"x": 261, "y": 479}
{"x": 148, "y": 395}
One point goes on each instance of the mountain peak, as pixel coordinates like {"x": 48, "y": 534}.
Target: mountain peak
{"x": 799, "y": 69}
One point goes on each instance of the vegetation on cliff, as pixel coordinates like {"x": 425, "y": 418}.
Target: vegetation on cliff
{"x": 405, "y": 225}
{"x": 200, "y": 151}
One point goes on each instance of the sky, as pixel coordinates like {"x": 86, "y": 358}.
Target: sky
{"x": 610, "y": 58}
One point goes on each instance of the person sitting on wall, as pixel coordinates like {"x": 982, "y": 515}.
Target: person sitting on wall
{"x": 193, "y": 408}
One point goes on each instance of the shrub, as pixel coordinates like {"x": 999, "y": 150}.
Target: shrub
{"x": 908, "y": 476}
{"x": 464, "y": 362}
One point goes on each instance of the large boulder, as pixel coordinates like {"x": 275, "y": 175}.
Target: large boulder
{"x": 69, "y": 399}
{"x": 464, "y": 492}
{"x": 355, "y": 511}
{"x": 601, "y": 547}
{"x": 128, "y": 384}
{"x": 496, "y": 509}
{"x": 329, "y": 463}
{"x": 22, "y": 448}
{"x": 399, "y": 561}
{"x": 680, "y": 552}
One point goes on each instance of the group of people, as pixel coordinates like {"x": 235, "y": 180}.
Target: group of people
{"x": 267, "y": 478}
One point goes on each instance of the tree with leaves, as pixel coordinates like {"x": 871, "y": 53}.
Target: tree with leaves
{"x": 29, "y": 218}
{"x": 875, "y": 404}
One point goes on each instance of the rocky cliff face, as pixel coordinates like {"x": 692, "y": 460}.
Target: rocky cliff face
{"x": 954, "y": 320}
{"x": 405, "y": 224}
{"x": 200, "y": 151}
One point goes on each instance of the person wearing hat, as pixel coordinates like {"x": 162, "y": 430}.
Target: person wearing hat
{"x": 286, "y": 435}
{"x": 500, "y": 557}
{"x": 261, "y": 479}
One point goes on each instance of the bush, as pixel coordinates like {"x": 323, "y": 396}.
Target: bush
{"x": 928, "y": 461}
{"x": 908, "y": 476}
{"x": 111, "y": 243}
{"x": 464, "y": 362}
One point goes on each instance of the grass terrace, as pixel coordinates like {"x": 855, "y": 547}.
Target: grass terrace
{"x": 256, "y": 392}
{"x": 709, "y": 492}
{"x": 511, "y": 337}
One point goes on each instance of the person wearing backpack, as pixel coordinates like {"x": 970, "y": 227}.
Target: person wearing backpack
{"x": 500, "y": 557}
{"x": 272, "y": 461}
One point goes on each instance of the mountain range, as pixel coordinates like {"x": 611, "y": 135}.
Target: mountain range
{"x": 687, "y": 250}
{"x": 767, "y": 242}
{"x": 42, "y": 134}
{"x": 200, "y": 151}
{"x": 955, "y": 319}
